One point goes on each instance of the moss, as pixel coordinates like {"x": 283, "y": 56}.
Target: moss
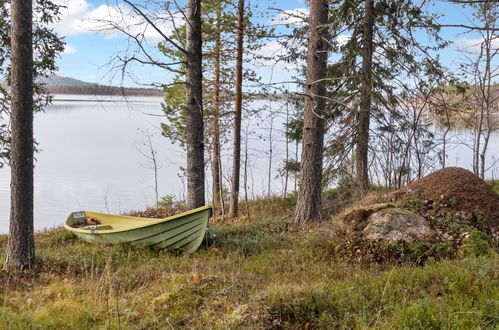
{"x": 477, "y": 219}
{"x": 412, "y": 202}
{"x": 476, "y": 244}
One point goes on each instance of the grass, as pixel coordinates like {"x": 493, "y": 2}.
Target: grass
{"x": 494, "y": 184}
{"x": 259, "y": 274}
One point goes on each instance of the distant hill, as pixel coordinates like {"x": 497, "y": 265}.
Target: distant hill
{"x": 66, "y": 85}
{"x": 64, "y": 81}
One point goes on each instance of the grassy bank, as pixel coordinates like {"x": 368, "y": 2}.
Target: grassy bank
{"x": 259, "y": 274}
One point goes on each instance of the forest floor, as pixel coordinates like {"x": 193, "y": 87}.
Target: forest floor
{"x": 262, "y": 272}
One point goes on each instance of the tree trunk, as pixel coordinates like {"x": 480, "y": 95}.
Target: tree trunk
{"x": 21, "y": 246}
{"x": 286, "y": 161}
{"x": 236, "y": 158}
{"x": 446, "y": 132}
{"x": 245, "y": 182}
{"x": 194, "y": 104}
{"x": 215, "y": 126}
{"x": 269, "y": 179}
{"x": 486, "y": 96}
{"x": 308, "y": 207}
{"x": 361, "y": 156}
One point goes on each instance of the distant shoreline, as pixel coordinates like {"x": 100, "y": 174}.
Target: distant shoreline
{"x": 100, "y": 90}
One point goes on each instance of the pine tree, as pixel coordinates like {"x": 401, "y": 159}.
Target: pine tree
{"x": 236, "y": 158}
{"x": 308, "y": 207}
{"x": 21, "y": 246}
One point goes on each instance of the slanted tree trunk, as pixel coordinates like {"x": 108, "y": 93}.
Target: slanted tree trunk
{"x": 215, "y": 125}
{"x": 364, "y": 114}
{"x": 194, "y": 104}
{"x": 308, "y": 207}
{"x": 236, "y": 157}
{"x": 21, "y": 246}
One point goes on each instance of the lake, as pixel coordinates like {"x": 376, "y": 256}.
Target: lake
{"x": 89, "y": 157}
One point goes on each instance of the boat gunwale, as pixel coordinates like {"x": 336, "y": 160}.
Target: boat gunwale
{"x": 151, "y": 221}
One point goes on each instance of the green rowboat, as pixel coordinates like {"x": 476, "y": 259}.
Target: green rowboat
{"x": 184, "y": 232}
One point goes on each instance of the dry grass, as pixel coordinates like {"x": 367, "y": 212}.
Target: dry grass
{"x": 262, "y": 273}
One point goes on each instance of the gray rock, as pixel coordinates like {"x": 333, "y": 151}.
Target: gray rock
{"x": 396, "y": 225}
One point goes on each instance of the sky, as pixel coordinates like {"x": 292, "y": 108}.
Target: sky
{"x": 89, "y": 49}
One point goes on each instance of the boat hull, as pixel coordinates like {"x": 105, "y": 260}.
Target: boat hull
{"x": 183, "y": 232}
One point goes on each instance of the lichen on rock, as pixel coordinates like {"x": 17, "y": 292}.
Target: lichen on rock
{"x": 396, "y": 225}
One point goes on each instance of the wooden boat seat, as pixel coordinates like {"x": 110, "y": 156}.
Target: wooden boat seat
{"x": 98, "y": 227}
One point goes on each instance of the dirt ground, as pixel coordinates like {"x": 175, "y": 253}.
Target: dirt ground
{"x": 457, "y": 189}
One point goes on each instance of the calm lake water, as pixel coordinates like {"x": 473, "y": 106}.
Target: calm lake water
{"x": 89, "y": 158}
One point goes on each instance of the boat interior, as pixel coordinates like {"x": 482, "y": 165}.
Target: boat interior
{"x": 85, "y": 220}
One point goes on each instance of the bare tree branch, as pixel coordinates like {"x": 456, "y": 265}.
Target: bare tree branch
{"x": 164, "y": 36}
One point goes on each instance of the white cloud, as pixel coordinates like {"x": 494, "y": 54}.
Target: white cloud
{"x": 281, "y": 70}
{"x": 72, "y": 17}
{"x": 342, "y": 39}
{"x": 68, "y": 50}
{"x": 473, "y": 45}
{"x": 291, "y": 17}
{"x": 80, "y": 17}
{"x": 274, "y": 70}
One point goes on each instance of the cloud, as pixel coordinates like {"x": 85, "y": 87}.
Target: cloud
{"x": 80, "y": 17}
{"x": 276, "y": 71}
{"x": 474, "y": 45}
{"x": 342, "y": 39}
{"x": 292, "y": 17}
{"x": 72, "y": 17}
{"x": 68, "y": 50}
{"x": 270, "y": 68}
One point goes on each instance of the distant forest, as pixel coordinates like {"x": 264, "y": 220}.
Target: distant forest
{"x": 104, "y": 90}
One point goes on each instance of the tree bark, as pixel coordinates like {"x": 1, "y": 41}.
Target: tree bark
{"x": 361, "y": 157}
{"x": 21, "y": 246}
{"x": 194, "y": 104}
{"x": 308, "y": 207}
{"x": 215, "y": 125}
{"x": 236, "y": 157}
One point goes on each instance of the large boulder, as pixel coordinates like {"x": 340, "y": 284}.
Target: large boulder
{"x": 396, "y": 225}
